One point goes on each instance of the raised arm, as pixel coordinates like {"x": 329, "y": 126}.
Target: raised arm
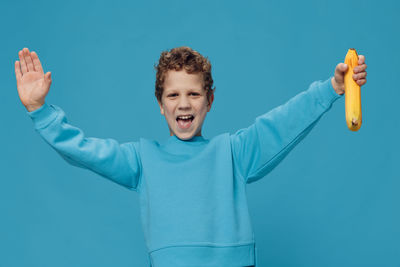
{"x": 106, "y": 157}
{"x": 259, "y": 148}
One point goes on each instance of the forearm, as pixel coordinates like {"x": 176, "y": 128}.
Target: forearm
{"x": 263, "y": 145}
{"x": 103, "y": 156}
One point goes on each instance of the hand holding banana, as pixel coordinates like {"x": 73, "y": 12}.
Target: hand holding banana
{"x": 349, "y": 76}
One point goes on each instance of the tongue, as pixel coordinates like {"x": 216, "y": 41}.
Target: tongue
{"x": 184, "y": 124}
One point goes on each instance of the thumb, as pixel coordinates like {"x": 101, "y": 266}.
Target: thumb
{"x": 340, "y": 69}
{"x": 343, "y": 67}
{"x": 47, "y": 77}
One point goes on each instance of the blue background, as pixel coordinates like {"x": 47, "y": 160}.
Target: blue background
{"x": 334, "y": 201}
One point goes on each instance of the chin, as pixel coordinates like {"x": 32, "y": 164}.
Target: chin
{"x": 185, "y": 136}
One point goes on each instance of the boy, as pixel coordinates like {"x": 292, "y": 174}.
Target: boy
{"x": 192, "y": 190}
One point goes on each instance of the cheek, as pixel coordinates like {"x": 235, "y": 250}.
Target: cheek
{"x": 204, "y": 107}
{"x": 169, "y": 111}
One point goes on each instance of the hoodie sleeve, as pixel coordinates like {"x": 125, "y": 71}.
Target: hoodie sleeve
{"x": 119, "y": 163}
{"x": 258, "y": 149}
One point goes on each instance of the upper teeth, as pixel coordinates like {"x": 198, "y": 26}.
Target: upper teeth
{"x": 185, "y": 117}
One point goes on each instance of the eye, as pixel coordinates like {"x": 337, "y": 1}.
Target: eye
{"x": 194, "y": 93}
{"x": 172, "y": 95}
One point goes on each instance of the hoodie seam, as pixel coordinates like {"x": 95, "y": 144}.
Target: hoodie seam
{"x": 216, "y": 245}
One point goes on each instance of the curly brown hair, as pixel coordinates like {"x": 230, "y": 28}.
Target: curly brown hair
{"x": 187, "y": 58}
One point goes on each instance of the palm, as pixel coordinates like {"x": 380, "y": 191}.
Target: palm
{"x": 31, "y": 87}
{"x": 32, "y": 84}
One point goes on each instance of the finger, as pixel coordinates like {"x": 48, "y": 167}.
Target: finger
{"x": 361, "y": 75}
{"x": 36, "y": 62}
{"x": 28, "y": 59}
{"x": 361, "y": 59}
{"x": 47, "y": 76}
{"x": 24, "y": 68}
{"x": 360, "y": 68}
{"x": 361, "y": 81}
{"x": 18, "y": 73}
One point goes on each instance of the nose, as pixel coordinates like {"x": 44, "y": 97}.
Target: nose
{"x": 184, "y": 103}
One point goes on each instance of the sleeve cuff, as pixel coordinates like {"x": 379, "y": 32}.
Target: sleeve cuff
{"x": 42, "y": 116}
{"x": 327, "y": 94}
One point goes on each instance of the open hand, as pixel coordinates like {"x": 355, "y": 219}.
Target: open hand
{"x": 32, "y": 84}
{"x": 359, "y": 75}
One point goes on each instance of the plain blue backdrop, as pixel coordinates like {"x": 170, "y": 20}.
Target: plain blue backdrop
{"x": 334, "y": 201}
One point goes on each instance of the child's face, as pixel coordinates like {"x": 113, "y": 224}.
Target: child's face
{"x": 184, "y": 95}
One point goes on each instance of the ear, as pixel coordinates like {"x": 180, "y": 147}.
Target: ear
{"x": 161, "y": 107}
{"x": 210, "y": 101}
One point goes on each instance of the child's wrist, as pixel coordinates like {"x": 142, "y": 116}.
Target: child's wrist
{"x": 33, "y": 107}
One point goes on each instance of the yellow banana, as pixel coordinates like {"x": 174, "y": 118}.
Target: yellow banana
{"x": 352, "y": 92}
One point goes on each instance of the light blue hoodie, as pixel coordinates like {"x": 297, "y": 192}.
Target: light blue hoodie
{"x": 193, "y": 193}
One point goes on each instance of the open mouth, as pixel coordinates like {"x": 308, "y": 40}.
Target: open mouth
{"x": 185, "y": 121}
